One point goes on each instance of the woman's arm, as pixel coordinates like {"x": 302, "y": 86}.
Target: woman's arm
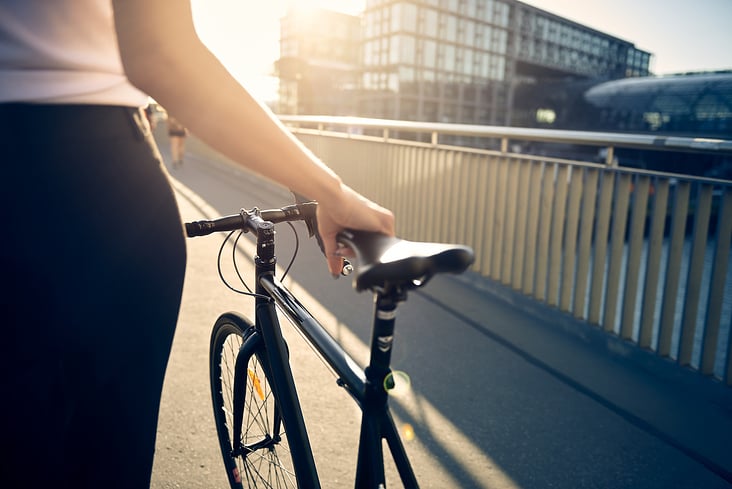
{"x": 163, "y": 56}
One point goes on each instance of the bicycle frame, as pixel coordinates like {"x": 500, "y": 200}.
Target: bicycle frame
{"x": 367, "y": 387}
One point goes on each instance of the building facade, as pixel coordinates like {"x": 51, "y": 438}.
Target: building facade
{"x": 461, "y": 60}
{"x": 319, "y": 65}
{"x": 454, "y": 60}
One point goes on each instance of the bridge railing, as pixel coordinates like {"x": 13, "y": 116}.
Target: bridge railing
{"x": 643, "y": 255}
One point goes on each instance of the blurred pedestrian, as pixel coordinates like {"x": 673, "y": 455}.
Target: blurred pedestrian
{"x": 177, "y": 134}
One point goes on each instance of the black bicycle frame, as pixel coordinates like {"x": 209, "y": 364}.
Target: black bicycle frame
{"x": 366, "y": 387}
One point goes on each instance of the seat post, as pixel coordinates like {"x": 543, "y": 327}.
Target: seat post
{"x": 376, "y": 423}
{"x": 382, "y": 335}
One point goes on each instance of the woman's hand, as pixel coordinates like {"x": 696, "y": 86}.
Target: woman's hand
{"x": 349, "y": 210}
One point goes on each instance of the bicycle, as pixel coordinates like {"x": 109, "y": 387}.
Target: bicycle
{"x": 259, "y": 422}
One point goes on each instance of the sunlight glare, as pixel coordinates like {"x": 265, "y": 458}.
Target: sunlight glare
{"x": 397, "y": 383}
{"x": 352, "y": 7}
{"x": 408, "y": 432}
{"x": 245, "y": 36}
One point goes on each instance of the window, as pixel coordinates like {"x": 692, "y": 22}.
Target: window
{"x": 402, "y": 49}
{"x": 451, "y": 5}
{"x": 488, "y": 11}
{"x": 498, "y": 68}
{"x": 487, "y": 37}
{"x": 459, "y": 57}
{"x": 406, "y": 74}
{"x": 429, "y": 28}
{"x": 501, "y": 14}
{"x": 451, "y": 29}
{"x": 369, "y": 57}
{"x": 394, "y": 50}
{"x": 408, "y": 49}
{"x": 483, "y": 65}
{"x": 469, "y": 32}
{"x": 366, "y": 80}
{"x": 409, "y": 17}
{"x": 500, "y": 38}
{"x": 369, "y": 25}
{"x": 470, "y": 8}
{"x": 393, "y": 82}
{"x": 396, "y": 24}
{"x": 429, "y": 54}
{"x": 448, "y": 63}
{"x": 468, "y": 61}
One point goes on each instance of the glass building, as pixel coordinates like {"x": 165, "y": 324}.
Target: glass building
{"x": 319, "y": 65}
{"x": 439, "y": 60}
{"x": 461, "y": 60}
{"x": 690, "y": 104}
{"x": 696, "y": 105}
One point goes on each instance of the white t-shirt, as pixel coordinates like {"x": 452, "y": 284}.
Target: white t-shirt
{"x": 63, "y": 52}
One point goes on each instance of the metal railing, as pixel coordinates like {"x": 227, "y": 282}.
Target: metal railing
{"x": 643, "y": 255}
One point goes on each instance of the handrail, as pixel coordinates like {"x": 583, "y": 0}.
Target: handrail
{"x": 608, "y": 139}
{"x": 642, "y": 254}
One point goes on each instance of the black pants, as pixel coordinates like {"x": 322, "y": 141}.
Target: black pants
{"x": 92, "y": 261}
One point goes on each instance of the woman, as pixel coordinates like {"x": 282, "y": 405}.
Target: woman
{"x": 177, "y": 134}
{"x": 94, "y": 251}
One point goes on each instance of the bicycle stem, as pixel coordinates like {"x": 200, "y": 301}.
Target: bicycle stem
{"x": 284, "y": 384}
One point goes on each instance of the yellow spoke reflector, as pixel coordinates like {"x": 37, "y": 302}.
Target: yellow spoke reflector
{"x": 257, "y": 385}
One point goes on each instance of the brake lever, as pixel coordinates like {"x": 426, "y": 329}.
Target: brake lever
{"x": 312, "y": 224}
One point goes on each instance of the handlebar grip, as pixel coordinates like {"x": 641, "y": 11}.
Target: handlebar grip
{"x": 206, "y": 227}
{"x": 199, "y": 228}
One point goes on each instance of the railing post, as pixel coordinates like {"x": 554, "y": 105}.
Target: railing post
{"x": 504, "y": 145}
{"x": 434, "y": 138}
{"x": 610, "y": 157}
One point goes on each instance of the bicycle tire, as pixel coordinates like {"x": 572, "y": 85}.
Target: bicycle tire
{"x": 263, "y": 459}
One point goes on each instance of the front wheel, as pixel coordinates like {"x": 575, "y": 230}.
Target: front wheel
{"x": 250, "y": 429}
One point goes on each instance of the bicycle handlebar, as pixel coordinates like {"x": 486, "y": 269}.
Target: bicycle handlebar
{"x": 384, "y": 261}
{"x": 246, "y": 220}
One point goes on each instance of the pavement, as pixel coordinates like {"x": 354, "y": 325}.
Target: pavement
{"x": 507, "y": 392}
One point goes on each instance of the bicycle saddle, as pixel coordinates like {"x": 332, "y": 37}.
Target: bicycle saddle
{"x": 389, "y": 261}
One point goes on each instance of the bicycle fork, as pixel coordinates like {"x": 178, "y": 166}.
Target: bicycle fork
{"x": 377, "y": 423}
{"x": 248, "y": 347}
{"x": 242, "y": 376}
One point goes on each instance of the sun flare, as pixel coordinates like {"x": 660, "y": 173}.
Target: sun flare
{"x": 245, "y": 35}
{"x": 346, "y": 6}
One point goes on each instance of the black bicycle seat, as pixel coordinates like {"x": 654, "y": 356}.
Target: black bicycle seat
{"x": 389, "y": 261}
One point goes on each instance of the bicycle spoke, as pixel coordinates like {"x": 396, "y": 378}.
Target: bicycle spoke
{"x": 262, "y": 455}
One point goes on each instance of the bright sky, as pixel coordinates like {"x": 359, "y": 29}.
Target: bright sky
{"x": 683, "y": 35}
{"x": 245, "y": 35}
